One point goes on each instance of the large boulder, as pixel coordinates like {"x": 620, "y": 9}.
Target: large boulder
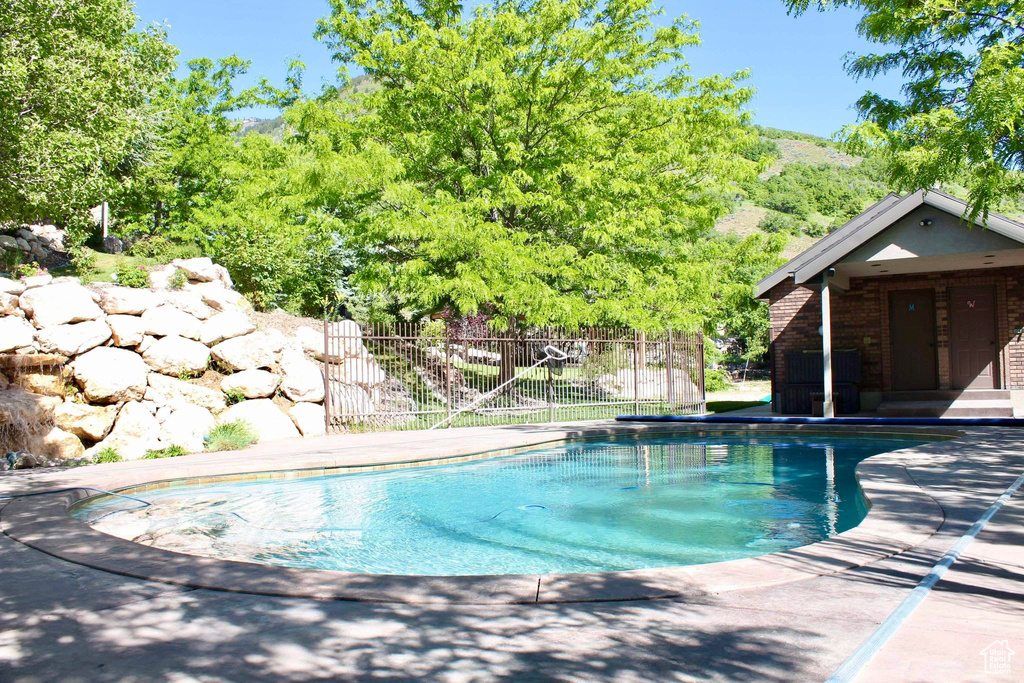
{"x": 248, "y": 352}
{"x": 303, "y": 380}
{"x": 15, "y": 333}
{"x": 9, "y": 305}
{"x": 166, "y": 320}
{"x": 227, "y": 325}
{"x": 58, "y": 304}
{"x": 203, "y": 270}
{"x": 9, "y": 286}
{"x": 85, "y": 421}
{"x": 188, "y": 302}
{"x": 71, "y": 340}
{"x": 43, "y": 279}
{"x": 351, "y": 401}
{"x": 136, "y": 432}
{"x": 173, "y": 355}
{"x": 61, "y": 445}
{"x": 350, "y": 339}
{"x": 110, "y": 375}
{"x": 265, "y": 418}
{"x": 365, "y": 372}
{"x": 312, "y": 341}
{"x": 144, "y": 345}
{"x": 114, "y": 299}
{"x": 126, "y": 330}
{"x": 187, "y": 426}
{"x": 309, "y": 418}
{"x": 218, "y": 297}
{"x": 160, "y": 278}
{"x": 173, "y": 392}
{"x": 251, "y": 383}
{"x": 47, "y": 380}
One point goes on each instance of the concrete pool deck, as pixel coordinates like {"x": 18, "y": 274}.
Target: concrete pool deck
{"x": 798, "y": 620}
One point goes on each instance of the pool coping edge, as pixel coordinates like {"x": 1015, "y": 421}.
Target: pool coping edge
{"x": 902, "y": 515}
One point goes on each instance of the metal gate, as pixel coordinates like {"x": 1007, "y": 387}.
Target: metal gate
{"x": 423, "y": 375}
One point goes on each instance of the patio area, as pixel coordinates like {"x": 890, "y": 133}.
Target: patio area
{"x": 63, "y": 621}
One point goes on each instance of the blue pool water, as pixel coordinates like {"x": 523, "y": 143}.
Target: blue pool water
{"x": 582, "y": 506}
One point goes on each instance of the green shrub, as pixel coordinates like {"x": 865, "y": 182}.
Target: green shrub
{"x": 169, "y": 452}
{"x": 762, "y": 149}
{"x": 162, "y": 249}
{"x": 816, "y": 229}
{"x": 80, "y": 228}
{"x": 129, "y": 275}
{"x": 108, "y": 454}
{"x": 715, "y": 380}
{"x": 774, "y": 221}
{"x": 27, "y": 269}
{"x": 178, "y": 280}
{"x": 231, "y": 436}
{"x": 11, "y": 260}
{"x": 234, "y": 396}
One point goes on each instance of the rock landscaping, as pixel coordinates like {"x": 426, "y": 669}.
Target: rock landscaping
{"x": 143, "y": 370}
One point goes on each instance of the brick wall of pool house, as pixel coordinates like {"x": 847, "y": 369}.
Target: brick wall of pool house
{"x": 860, "y": 320}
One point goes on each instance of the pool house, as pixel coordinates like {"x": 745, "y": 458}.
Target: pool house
{"x": 909, "y": 309}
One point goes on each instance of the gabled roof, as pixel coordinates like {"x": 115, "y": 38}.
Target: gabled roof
{"x": 822, "y": 245}
{"x": 877, "y": 218}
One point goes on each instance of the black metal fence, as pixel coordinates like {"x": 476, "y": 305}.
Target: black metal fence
{"x": 423, "y": 375}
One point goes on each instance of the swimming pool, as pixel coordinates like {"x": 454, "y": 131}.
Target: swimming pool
{"x": 578, "y": 506}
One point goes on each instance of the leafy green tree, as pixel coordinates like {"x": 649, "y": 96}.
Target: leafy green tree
{"x": 961, "y": 119}
{"x": 194, "y": 142}
{"x": 527, "y": 161}
{"x": 279, "y": 250}
{"x": 739, "y": 264}
{"x": 75, "y": 80}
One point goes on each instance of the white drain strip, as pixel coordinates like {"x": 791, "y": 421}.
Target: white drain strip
{"x": 888, "y": 628}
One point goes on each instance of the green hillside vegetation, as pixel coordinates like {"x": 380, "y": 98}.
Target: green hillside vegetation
{"x": 811, "y": 188}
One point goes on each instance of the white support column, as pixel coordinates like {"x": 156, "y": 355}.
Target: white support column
{"x": 828, "y": 408}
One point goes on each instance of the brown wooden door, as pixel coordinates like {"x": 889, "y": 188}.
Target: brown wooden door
{"x": 972, "y": 337}
{"x": 912, "y": 333}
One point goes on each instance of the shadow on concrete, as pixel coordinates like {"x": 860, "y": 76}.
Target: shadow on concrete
{"x": 67, "y": 622}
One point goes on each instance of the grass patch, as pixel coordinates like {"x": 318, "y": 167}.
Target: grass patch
{"x": 103, "y": 265}
{"x": 169, "y": 452}
{"x": 726, "y": 406}
{"x": 231, "y": 436}
{"x": 108, "y": 454}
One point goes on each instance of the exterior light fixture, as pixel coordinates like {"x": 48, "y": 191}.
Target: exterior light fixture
{"x": 927, "y": 223}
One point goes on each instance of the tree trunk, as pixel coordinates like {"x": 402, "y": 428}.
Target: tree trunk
{"x": 509, "y": 350}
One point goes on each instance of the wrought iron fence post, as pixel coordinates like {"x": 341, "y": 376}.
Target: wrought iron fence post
{"x": 448, "y": 370}
{"x": 327, "y": 375}
{"x": 700, "y": 360}
{"x": 551, "y": 381}
{"x": 636, "y": 372}
{"x": 669, "y": 374}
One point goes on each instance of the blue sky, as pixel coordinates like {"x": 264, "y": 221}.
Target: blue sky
{"x": 797, "y": 63}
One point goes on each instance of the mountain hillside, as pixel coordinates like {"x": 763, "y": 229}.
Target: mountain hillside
{"x": 811, "y": 188}
{"x": 275, "y": 127}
